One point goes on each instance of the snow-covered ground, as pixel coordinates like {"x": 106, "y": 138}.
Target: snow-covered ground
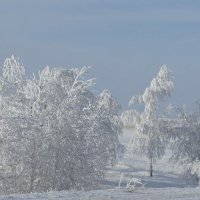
{"x": 148, "y": 193}
{"x": 165, "y": 174}
{"x": 167, "y": 182}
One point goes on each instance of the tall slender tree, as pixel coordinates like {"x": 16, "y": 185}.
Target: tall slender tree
{"x": 151, "y": 140}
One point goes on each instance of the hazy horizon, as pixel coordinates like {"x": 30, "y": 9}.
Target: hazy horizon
{"x": 125, "y": 41}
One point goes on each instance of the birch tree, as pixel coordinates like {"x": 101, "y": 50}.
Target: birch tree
{"x": 151, "y": 142}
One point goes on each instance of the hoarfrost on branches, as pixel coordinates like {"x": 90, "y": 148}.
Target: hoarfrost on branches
{"x": 185, "y": 135}
{"x": 55, "y": 134}
{"x": 13, "y": 70}
{"x": 147, "y": 125}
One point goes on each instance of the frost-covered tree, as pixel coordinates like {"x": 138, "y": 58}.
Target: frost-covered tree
{"x": 129, "y": 118}
{"x": 151, "y": 142}
{"x": 109, "y": 120}
{"x": 13, "y": 70}
{"x": 185, "y": 135}
{"x": 55, "y": 134}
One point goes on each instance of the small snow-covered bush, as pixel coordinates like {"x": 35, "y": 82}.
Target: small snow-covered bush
{"x": 134, "y": 184}
{"x": 194, "y": 170}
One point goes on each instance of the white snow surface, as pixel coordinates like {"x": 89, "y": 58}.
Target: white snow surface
{"x": 146, "y": 194}
{"x": 167, "y": 182}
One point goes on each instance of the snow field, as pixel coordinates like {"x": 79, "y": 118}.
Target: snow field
{"x": 166, "y": 183}
{"x": 115, "y": 194}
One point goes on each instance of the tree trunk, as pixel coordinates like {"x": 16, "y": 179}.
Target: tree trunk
{"x": 55, "y": 171}
{"x": 151, "y": 167}
{"x": 33, "y": 166}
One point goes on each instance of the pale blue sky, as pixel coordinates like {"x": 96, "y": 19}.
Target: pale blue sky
{"x": 125, "y": 41}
